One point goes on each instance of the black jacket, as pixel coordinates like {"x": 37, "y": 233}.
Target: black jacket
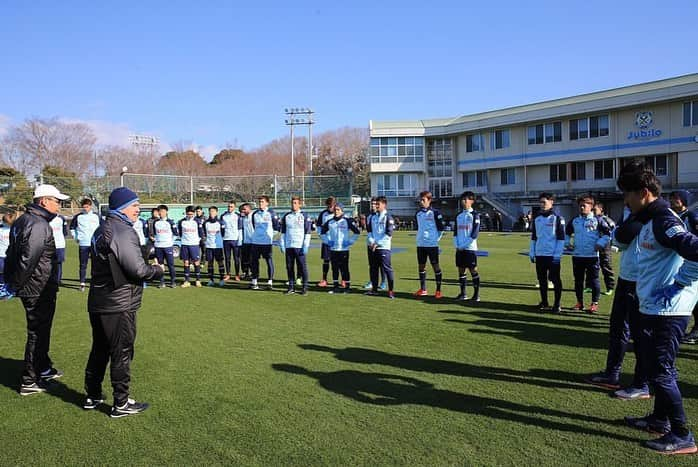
{"x": 31, "y": 255}
{"x": 118, "y": 268}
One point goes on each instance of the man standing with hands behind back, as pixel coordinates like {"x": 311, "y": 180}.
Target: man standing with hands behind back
{"x": 118, "y": 273}
{"x": 30, "y": 274}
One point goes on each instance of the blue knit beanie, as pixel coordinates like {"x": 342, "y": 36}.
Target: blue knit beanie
{"x": 121, "y": 198}
{"x": 683, "y": 195}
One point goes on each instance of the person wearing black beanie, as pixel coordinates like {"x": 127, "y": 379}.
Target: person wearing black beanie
{"x": 118, "y": 273}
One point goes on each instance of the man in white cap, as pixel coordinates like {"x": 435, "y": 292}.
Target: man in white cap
{"x": 30, "y": 275}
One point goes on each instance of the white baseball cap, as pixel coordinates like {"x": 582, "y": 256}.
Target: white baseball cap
{"x": 49, "y": 190}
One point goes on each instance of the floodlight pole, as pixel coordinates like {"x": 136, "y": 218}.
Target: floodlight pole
{"x": 291, "y": 121}
{"x": 292, "y": 156}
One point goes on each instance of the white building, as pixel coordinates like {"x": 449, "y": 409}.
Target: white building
{"x": 566, "y": 146}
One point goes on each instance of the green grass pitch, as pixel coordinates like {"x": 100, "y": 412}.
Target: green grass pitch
{"x": 258, "y": 378}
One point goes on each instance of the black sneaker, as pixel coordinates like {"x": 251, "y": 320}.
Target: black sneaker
{"x": 131, "y": 407}
{"x": 333, "y": 290}
{"x": 51, "y": 373}
{"x": 34, "y": 388}
{"x": 304, "y": 291}
{"x": 556, "y": 310}
{"x": 692, "y": 337}
{"x": 475, "y": 298}
{"x": 649, "y": 423}
{"x": 92, "y": 403}
{"x": 461, "y": 296}
{"x": 289, "y": 292}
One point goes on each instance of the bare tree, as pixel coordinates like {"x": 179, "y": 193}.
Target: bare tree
{"x": 37, "y": 143}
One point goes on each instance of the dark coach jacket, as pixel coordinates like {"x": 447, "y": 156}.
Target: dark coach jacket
{"x": 118, "y": 268}
{"x": 31, "y": 255}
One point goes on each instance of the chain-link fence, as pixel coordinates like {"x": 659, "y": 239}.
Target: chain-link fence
{"x": 173, "y": 189}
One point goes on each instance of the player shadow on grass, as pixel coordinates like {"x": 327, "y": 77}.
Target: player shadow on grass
{"x": 585, "y": 321}
{"x": 387, "y": 389}
{"x": 11, "y": 371}
{"x": 534, "y": 377}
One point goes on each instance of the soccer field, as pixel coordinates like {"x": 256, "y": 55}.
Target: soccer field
{"x": 259, "y": 378}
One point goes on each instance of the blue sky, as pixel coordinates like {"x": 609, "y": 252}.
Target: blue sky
{"x": 212, "y": 72}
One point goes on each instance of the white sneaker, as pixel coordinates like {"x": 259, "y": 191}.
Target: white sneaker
{"x": 632, "y": 394}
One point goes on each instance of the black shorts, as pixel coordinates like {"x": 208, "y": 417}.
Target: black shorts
{"x": 325, "y": 252}
{"x": 466, "y": 259}
{"x": 424, "y": 252}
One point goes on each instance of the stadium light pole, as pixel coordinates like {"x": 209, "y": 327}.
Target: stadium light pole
{"x": 306, "y": 118}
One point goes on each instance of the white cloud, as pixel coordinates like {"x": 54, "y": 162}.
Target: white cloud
{"x": 112, "y": 133}
{"x": 107, "y": 133}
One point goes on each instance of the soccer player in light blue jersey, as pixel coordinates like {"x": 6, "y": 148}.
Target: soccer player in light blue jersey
{"x": 232, "y": 240}
{"x": 430, "y": 229}
{"x": 323, "y": 217}
{"x": 213, "y": 233}
{"x": 82, "y": 227}
{"x": 246, "y": 244}
{"x": 380, "y": 227}
{"x": 265, "y": 223}
{"x": 340, "y": 233}
{"x": 465, "y": 233}
{"x": 590, "y": 234}
{"x": 296, "y": 228}
{"x": 191, "y": 233}
{"x": 369, "y": 250}
{"x": 164, "y": 232}
{"x": 547, "y": 245}
{"x": 667, "y": 290}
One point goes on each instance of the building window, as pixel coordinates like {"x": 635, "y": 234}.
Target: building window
{"x": 499, "y": 139}
{"x": 579, "y": 171}
{"x": 659, "y": 164}
{"x": 401, "y": 185}
{"x": 508, "y": 176}
{"x": 690, "y": 113}
{"x": 439, "y": 157}
{"x": 558, "y": 173}
{"x": 589, "y": 127}
{"x": 545, "y": 133}
{"x": 397, "y": 150}
{"x": 441, "y": 188}
{"x": 473, "y": 143}
{"x": 603, "y": 169}
{"x": 475, "y": 178}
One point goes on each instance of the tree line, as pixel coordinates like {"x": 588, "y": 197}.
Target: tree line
{"x": 68, "y": 153}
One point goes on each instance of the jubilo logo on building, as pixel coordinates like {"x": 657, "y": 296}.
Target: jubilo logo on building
{"x": 643, "y": 121}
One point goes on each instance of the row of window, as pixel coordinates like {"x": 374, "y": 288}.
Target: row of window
{"x": 580, "y": 128}
{"x": 576, "y": 171}
{"x": 393, "y": 149}
{"x": 398, "y": 185}
{"x": 407, "y": 185}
